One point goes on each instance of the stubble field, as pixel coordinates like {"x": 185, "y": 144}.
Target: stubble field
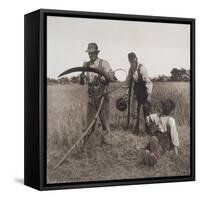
{"x": 66, "y": 118}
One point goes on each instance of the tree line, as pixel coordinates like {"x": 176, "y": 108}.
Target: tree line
{"x": 176, "y": 75}
{"x": 63, "y": 80}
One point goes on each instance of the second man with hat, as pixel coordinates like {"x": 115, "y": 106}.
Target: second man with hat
{"x": 142, "y": 88}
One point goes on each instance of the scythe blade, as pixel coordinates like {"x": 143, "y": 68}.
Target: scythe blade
{"x": 87, "y": 69}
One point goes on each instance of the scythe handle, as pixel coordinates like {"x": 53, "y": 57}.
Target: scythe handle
{"x": 129, "y": 102}
{"x": 82, "y": 136}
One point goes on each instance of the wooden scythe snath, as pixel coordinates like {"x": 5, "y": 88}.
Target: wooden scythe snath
{"x": 130, "y": 90}
{"x": 107, "y": 78}
{"x": 82, "y": 136}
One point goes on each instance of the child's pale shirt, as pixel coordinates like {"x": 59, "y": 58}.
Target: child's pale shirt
{"x": 165, "y": 124}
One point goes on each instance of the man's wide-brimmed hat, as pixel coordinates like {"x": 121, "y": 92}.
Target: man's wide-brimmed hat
{"x": 92, "y": 47}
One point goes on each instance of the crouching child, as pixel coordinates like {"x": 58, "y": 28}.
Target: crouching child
{"x": 164, "y": 134}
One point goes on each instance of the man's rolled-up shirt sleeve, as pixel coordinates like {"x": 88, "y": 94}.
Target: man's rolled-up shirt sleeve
{"x": 146, "y": 79}
{"x": 107, "y": 68}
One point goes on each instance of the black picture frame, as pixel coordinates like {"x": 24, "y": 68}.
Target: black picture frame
{"x": 35, "y": 87}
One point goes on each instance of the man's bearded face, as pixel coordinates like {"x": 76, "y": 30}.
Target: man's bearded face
{"x": 93, "y": 56}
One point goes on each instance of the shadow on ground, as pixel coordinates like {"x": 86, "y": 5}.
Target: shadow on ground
{"x": 19, "y": 181}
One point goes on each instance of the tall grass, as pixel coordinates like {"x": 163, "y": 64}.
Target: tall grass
{"x": 179, "y": 92}
{"x": 66, "y": 118}
{"x": 67, "y": 107}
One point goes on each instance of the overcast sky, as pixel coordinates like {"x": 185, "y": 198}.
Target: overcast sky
{"x": 158, "y": 46}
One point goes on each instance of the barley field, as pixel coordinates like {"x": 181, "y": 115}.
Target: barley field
{"x": 66, "y": 118}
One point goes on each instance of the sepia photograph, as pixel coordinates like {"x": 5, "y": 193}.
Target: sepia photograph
{"x": 118, "y": 99}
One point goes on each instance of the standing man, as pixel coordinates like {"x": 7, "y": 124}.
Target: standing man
{"x": 142, "y": 87}
{"x": 97, "y": 86}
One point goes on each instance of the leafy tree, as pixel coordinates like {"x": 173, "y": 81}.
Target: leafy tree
{"x": 180, "y": 74}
